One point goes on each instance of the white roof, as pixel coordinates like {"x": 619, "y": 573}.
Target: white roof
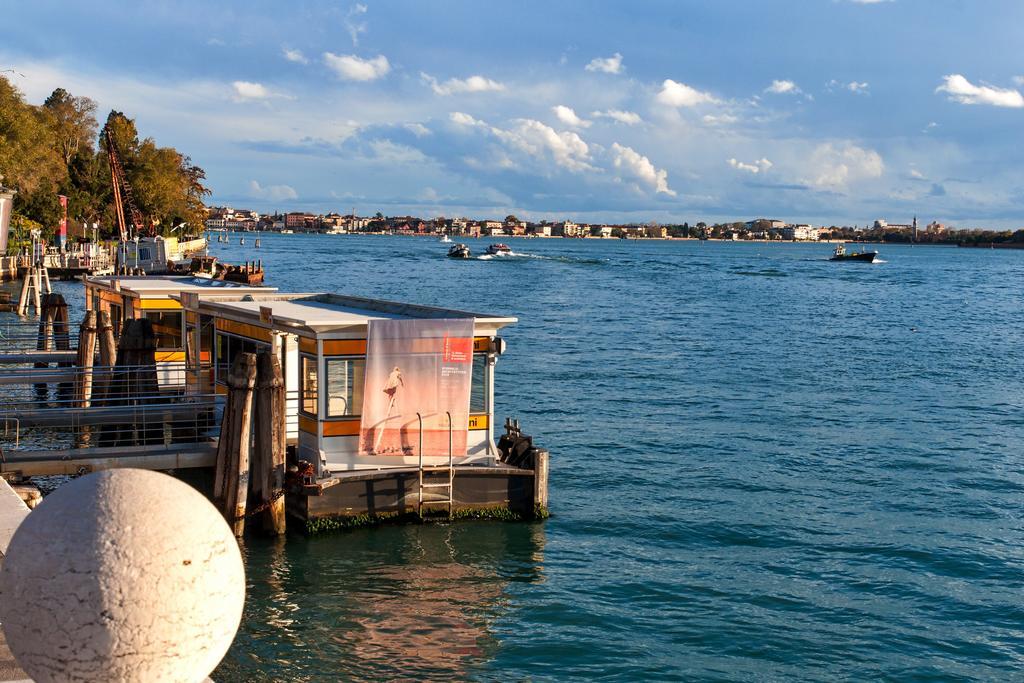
{"x": 167, "y": 285}
{"x": 322, "y": 312}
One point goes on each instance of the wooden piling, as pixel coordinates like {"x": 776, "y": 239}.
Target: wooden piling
{"x": 540, "y": 481}
{"x": 44, "y": 339}
{"x": 86, "y": 358}
{"x": 231, "y": 483}
{"x": 107, "y": 342}
{"x": 269, "y": 455}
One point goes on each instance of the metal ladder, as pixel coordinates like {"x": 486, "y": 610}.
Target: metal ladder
{"x": 449, "y": 486}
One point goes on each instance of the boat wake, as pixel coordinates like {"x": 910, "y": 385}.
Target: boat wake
{"x": 520, "y": 256}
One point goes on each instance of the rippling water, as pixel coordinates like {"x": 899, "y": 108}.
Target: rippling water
{"x": 764, "y": 465}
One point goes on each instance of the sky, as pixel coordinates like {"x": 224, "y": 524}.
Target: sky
{"x": 822, "y": 111}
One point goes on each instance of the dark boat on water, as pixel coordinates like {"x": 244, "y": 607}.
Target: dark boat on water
{"x": 498, "y": 249}
{"x": 459, "y": 251}
{"x": 840, "y": 254}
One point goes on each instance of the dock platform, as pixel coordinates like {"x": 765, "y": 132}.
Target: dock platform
{"x": 360, "y": 497}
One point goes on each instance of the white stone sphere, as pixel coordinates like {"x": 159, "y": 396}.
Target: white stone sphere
{"x": 122, "y": 575}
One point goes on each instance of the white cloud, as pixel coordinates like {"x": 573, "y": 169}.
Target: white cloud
{"x": 354, "y": 27}
{"x": 914, "y": 173}
{"x": 783, "y": 87}
{"x": 567, "y": 116}
{"x": 963, "y": 91}
{"x": 834, "y": 165}
{"x": 352, "y": 68}
{"x": 627, "y": 117}
{"x": 932, "y": 125}
{"x": 720, "y": 119}
{"x": 274, "y": 193}
{"x": 465, "y": 119}
{"x": 455, "y": 86}
{"x": 417, "y": 129}
{"x": 641, "y": 168}
{"x": 608, "y": 65}
{"x": 567, "y": 149}
{"x": 294, "y": 56}
{"x": 857, "y": 88}
{"x": 1019, "y": 80}
{"x": 681, "y": 95}
{"x": 869, "y": 2}
{"x": 759, "y": 166}
{"x": 245, "y": 90}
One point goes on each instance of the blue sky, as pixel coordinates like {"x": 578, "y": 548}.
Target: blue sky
{"x": 828, "y": 111}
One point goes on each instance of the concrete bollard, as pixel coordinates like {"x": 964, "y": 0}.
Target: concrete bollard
{"x": 125, "y": 575}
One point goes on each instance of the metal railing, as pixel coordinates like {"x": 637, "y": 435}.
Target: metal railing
{"x": 450, "y": 470}
{"x": 127, "y": 406}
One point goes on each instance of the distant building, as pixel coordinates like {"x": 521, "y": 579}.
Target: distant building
{"x": 542, "y": 230}
{"x": 801, "y": 232}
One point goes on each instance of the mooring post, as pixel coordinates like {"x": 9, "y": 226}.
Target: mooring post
{"x": 86, "y": 358}
{"x": 44, "y": 339}
{"x": 540, "y": 481}
{"x": 26, "y": 286}
{"x": 232, "y": 479}
{"x": 268, "y": 460}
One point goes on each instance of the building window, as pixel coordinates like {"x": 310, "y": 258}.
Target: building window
{"x": 167, "y": 328}
{"x": 116, "y": 317}
{"x": 310, "y": 385}
{"x": 228, "y": 348}
{"x": 345, "y": 386}
{"x": 478, "y": 388}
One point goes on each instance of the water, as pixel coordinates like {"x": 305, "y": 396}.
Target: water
{"x": 764, "y": 465}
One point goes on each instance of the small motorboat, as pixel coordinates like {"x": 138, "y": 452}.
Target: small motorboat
{"x": 445, "y": 239}
{"x": 499, "y": 249}
{"x": 840, "y": 254}
{"x": 459, "y": 251}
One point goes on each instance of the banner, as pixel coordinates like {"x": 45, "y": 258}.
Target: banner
{"x": 62, "y": 233}
{"x": 417, "y": 366}
{"x": 6, "y": 202}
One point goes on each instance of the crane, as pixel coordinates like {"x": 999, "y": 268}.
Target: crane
{"x": 122, "y": 191}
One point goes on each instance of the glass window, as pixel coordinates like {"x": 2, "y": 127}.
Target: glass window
{"x": 478, "y": 388}
{"x": 228, "y": 348}
{"x": 309, "y": 385}
{"x": 167, "y": 328}
{"x": 345, "y": 386}
{"x": 116, "y": 315}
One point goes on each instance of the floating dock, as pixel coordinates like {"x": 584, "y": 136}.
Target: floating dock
{"x": 378, "y": 410}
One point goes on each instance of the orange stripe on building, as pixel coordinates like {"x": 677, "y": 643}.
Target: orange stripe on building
{"x": 341, "y": 428}
{"x": 307, "y": 424}
{"x": 244, "y": 330}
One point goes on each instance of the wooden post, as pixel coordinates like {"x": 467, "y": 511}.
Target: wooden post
{"x": 44, "y": 339}
{"x": 26, "y": 286}
{"x": 61, "y": 330}
{"x": 231, "y": 484}
{"x": 108, "y": 345}
{"x": 37, "y": 290}
{"x": 86, "y": 357}
{"x": 268, "y": 463}
{"x": 540, "y": 481}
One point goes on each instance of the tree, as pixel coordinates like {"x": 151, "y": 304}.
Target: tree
{"x": 72, "y": 123}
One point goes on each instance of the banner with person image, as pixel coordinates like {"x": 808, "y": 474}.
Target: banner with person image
{"x": 417, "y": 366}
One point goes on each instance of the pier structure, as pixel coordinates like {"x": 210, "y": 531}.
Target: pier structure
{"x": 363, "y": 410}
{"x": 341, "y": 474}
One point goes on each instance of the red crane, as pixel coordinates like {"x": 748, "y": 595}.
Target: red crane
{"x": 122, "y": 192}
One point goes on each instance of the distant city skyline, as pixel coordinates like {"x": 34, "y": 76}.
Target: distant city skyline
{"x": 824, "y": 111}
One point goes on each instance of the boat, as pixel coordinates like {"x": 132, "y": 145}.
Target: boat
{"x": 459, "y": 251}
{"x": 499, "y": 249}
{"x": 445, "y": 239}
{"x": 840, "y": 254}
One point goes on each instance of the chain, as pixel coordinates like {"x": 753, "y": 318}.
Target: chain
{"x": 262, "y": 506}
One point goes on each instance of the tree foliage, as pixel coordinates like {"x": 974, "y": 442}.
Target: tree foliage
{"x": 53, "y": 149}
